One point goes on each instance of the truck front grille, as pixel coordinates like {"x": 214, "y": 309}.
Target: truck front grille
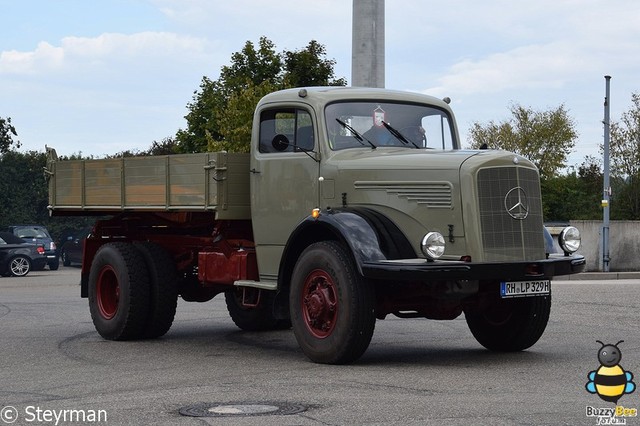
{"x": 515, "y": 234}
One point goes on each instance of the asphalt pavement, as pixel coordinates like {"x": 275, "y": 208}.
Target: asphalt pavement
{"x": 205, "y": 371}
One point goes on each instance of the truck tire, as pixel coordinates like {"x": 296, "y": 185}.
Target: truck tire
{"x": 163, "y": 289}
{"x": 510, "y": 325}
{"x": 332, "y": 306}
{"x": 19, "y": 266}
{"x": 119, "y": 292}
{"x": 258, "y": 318}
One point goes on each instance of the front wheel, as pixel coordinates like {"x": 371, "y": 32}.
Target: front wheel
{"x": 509, "y": 325}
{"x": 332, "y": 306}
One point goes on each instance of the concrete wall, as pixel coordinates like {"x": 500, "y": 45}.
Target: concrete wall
{"x": 624, "y": 244}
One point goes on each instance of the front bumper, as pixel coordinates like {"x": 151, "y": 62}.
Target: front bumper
{"x": 423, "y": 270}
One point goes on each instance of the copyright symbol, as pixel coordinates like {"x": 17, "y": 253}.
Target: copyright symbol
{"x": 9, "y": 414}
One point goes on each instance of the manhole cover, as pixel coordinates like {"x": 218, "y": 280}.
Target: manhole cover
{"x": 229, "y": 409}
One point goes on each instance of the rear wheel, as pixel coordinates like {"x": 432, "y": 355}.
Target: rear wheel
{"x": 19, "y": 266}
{"x": 119, "y": 292}
{"x": 256, "y": 312}
{"x": 510, "y": 325}
{"x": 163, "y": 289}
{"x": 332, "y": 306}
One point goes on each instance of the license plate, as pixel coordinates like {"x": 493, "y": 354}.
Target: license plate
{"x": 524, "y": 288}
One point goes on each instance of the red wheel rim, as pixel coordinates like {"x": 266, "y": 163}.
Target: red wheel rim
{"x": 108, "y": 292}
{"x": 319, "y": 303}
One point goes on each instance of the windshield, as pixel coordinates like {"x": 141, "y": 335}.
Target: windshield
{"x": 378, "y": 124}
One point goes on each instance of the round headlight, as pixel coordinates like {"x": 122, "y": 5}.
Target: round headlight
{"x": 433, "y": 245}
{"x": 569, "y": 239}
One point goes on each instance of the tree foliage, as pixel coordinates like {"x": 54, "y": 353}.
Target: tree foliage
{"x": 575, "y": 195}
{"x": 24, "y": 194}
{"x": 236, "y": 123}
{"x": 544, "y": 137}
{"x": 221, "y": 111}
{"x": 7, "y": 132}
{"x": 307, "y": 67}
{"x": 625, "y": 162}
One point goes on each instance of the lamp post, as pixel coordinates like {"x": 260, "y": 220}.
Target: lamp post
{"x": 606, "y": 193}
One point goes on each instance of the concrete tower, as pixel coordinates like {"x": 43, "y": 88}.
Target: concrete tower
{"x": 367, "y": 51}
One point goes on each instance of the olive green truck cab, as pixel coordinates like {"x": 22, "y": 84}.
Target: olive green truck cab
{"x": 352, "y": 205}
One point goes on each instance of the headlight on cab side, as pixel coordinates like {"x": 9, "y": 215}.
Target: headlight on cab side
{"x": 569, "y": 240}
{"x": 432, "y": 245}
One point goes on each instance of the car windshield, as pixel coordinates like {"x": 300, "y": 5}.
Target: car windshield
{"x": 378, "y": 124}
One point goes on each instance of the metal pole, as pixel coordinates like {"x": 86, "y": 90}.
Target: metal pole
{"x": 606, "y": 193}
{"x": 367, "y": 55}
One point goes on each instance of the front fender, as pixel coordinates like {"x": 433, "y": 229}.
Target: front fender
{"x": 369, "y": 235}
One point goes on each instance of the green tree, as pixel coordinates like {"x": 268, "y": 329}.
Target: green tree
{"x": 7, "y": 132}
{"x": 166, "y": 146}
{"x": 236, "y": 122}
{"x": 202, "y": 118}
{"x": 249, "y": 68}
{"x": 625, "y": 163}
{"x": 591, "y": 178}
{"x": 24, "y": 194}
{"x": 308, "y": 67}
{"x": 574, "y": 195}
{"x": 221, "y": 111}
{"x": 544, "y": 137}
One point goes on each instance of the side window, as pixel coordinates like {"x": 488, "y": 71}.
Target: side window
{"x": 437, "y": 130}
{"x": 286, "y": 130}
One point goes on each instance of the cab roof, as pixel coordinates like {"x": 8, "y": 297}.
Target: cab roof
{"x": 327, "y": 94}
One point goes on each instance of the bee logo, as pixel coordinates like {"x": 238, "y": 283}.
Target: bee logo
{"x": 610, "y": 381}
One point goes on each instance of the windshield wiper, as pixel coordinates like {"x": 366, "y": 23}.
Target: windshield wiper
{"x": 355, "y": 133}
{"x": 398, "y": 135}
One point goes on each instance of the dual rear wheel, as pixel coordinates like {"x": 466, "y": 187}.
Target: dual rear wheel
{"x": 132, "y": 291}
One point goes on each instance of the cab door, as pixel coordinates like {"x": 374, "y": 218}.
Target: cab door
{"x": 284, "y": 181}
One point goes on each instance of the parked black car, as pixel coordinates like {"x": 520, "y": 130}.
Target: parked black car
{"x": 38, "y": 234}
{"x": 17, "y": 257}
{"x": 71, "y": 249}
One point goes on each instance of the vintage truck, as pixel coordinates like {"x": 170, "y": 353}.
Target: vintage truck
{"x": 352, "y": 205}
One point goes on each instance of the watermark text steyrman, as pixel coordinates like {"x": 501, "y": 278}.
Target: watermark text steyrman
{"x": 35, "y": 414}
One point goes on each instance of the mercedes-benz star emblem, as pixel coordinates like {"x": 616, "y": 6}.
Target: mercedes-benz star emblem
{"x": 516, "y": 203}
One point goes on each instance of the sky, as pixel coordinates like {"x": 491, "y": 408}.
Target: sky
{"x": 103, "y": 76}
